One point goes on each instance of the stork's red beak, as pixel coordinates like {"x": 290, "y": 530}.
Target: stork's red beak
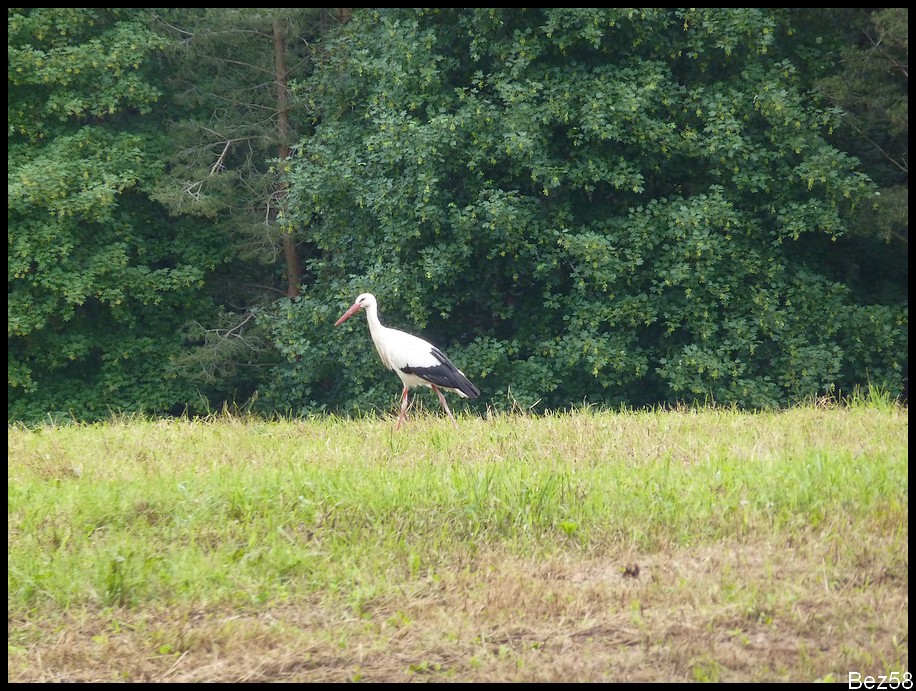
{"x": 356, "y": 307}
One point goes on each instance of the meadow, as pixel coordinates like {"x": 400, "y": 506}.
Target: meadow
{"x": 697, "y": 544}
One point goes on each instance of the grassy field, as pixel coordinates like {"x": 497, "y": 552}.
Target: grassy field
{"x": 692, "y": 545}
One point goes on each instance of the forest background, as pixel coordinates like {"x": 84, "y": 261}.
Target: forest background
{"x": 600, "y": 206}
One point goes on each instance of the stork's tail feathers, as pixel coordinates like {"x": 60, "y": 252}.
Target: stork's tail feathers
{"x": 464, "y": 387}
{"x": 446, "y": 376}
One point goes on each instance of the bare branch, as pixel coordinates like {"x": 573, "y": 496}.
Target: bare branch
{"x": 193, "y": 189}
{"x": 875, "y": 144}
{"x": 900, "y": 237}
{"x": 225, "y": 334}
{"x": 219, "y": 162}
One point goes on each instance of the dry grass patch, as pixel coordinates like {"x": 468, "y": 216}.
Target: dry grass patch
{"x": 733, "y": 612}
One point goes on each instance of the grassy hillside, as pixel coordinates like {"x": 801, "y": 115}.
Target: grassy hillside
{"x": 672, "y": 545}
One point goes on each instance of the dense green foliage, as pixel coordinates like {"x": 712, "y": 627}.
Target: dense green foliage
{"x": 101, "y": 280}
{"x": 599, "y": 205}
{"x": 232, "y": 122}
{"x": 613, "y": 206}
{"x": 871, "y": 87}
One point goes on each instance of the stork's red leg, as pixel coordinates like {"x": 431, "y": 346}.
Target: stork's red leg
{"x": 444, "y": 404}
{"x": 403, "y": 409}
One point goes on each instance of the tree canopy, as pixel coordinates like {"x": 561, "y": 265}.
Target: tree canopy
{"x": 587, "y": 205}
{"x": 101, "y": 279}
{"x": 608, "y": 206}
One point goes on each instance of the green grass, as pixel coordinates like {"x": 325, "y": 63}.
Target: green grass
{"x": 156, "y": 519}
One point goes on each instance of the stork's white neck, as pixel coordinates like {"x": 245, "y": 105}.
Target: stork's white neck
{"x": 372, "y": 317}
{"x": 375, "y": 326}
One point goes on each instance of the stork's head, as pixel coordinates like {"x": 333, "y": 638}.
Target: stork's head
{"x": 363, "y": 301}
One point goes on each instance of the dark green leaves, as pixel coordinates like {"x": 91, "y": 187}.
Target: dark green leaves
{"x": 608, "y": 191}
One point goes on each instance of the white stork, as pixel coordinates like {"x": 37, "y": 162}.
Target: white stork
{"x": 415, "y": 361}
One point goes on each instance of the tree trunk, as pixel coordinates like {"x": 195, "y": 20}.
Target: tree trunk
{"x": 293, "y": 270}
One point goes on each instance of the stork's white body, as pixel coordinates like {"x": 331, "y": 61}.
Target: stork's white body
{"x": 415, "y": 361}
